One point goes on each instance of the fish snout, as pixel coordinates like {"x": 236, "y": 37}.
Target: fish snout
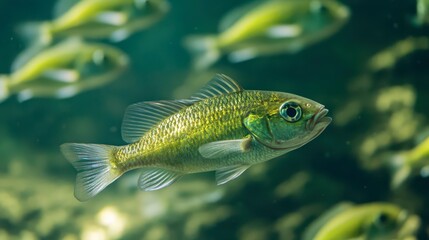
{"x": 319, "y": 118}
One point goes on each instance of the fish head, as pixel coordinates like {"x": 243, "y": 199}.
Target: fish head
{"x": 287, "y": 121}
{"x": 99, "y": 60}
{"x": 388, "y": 221}
{"x": 323, "y": 14}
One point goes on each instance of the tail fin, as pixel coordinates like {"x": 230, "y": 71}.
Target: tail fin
{"x": 35, "y": 33}
{"x": 4, "y": 90}
{"x": 95, "y": 172}
{"x": 204, "y": 49}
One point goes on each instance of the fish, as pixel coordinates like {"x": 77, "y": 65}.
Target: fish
{"x": 96, "y": 19}
{"x": 267, "y": 28}
{"x": 405, "y": 164}
{"x": 369, "y": 221}
{"x": 221, "y": 128}
{"x": 422, "y": 17}
{"x": 391, "y": 55}
{"x": 62, "y": 70}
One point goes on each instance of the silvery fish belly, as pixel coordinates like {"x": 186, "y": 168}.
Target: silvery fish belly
{"x": 221, "y": 128}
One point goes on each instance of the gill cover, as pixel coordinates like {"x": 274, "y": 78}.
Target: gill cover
{"x": 259, "y": 127}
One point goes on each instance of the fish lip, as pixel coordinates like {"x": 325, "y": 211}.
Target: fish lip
{"x": 319, "y": 117}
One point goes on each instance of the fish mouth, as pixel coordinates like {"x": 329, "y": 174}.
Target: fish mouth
{"x": 319, "y": 119}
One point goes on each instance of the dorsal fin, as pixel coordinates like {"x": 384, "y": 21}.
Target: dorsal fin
{"x": 219, "y": 85}
{"x": 141, "y": 117}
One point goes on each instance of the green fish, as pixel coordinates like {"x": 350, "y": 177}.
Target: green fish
{"x": 372, "y": 221}
{"x": 97, "y": 19}
{"x": 222, "y": 128}
{"x": 422, "y": 17}
{"x": 411, "y": 162}
{"x": 63, "y": 70}
{"x": 268, "y": 27}
{"x": 391, "y": 55}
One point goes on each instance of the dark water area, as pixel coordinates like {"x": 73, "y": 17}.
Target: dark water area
{"x": 377, "y": 113}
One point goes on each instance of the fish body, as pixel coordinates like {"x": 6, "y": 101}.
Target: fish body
{"x": 99, "y": 19}
{"x": 63, "y": 70}
{"x": 269, "y": 27}
{"x": 372, "y": 221}
{"x": 222, "y": 128}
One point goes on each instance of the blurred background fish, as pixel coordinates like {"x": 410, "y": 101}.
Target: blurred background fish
{"x": 422, "y": 17}
{"x": 99, "y": 19}
{"x": 370, "y": 221}
{"x": 63, "y": 70}
{"x": 408, "y": 163}
{"x": 268, "y": 27}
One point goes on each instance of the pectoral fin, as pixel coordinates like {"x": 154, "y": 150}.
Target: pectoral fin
{"x": 220, "y": 149}
{"x": 227, "y": 174}
{"x": 242, "y": 55}
{"x": 156, "y": 178}
{"x": 284, "y": 31}
{"x": 112, "y": 18}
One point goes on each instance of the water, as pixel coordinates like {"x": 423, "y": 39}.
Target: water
{"x": 275, "y": 200}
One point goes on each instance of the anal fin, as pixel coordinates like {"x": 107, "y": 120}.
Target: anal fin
{"x": 227, "y": 174}
{"x": 156, "y": 178}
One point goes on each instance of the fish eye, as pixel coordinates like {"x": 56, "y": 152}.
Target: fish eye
{"x": 323, "y": 9}
{"x": 290, "y": 111}
{"x": 381, "y": 220}
{"x": 99, "y": 58}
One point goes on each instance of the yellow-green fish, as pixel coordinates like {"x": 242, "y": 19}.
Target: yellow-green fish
{"x": 422, "y": 12}
{"x": 268, "y": 27}
{"x": 63, "y": 70}
{"x": 407, "y": 163}
{"x": 372, "y": 221}
{"x": 391, "y": 55}
{"x": 222, "y": 128}
{"x": 114, "y": 19}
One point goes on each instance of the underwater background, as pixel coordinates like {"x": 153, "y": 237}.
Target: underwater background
{"x": 376, "y": 112}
